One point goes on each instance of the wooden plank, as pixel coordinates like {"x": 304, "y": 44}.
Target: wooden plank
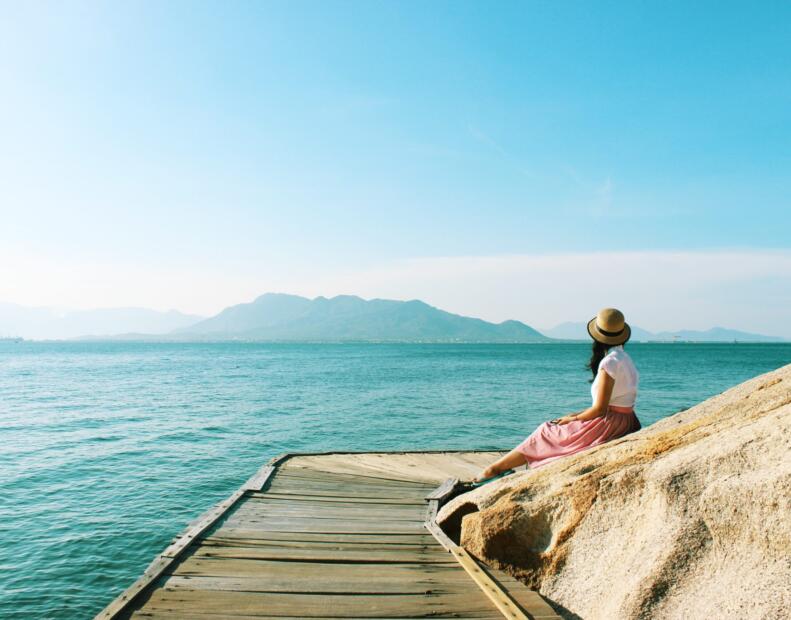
{"x": 329, "y": 512}
{"x": 364, "y": 486}
{"x": 443, "y": 490}
{"x": 154, "y": 570}
{"x": 268, "y": 514}
{"x": 507, "y": 606}
{"x": 311, "y": 605}
{"x": 259, "y": 480}
{"x": 275, "y": 583}
{"x": 347, "y": 498}
{"x": 313, "y": 572}
{"x": 298, "y": 482}
{"x": 337, "y": 503}
{"x": 333, "y": 550}
{"x": 201, "y": 525}
{"x": 319, "y": 477}
{"x": 385, "y": 471}
{"x": 263, "y": 539}
{"x": 325, "y": 483}
{"x": 322, "y": 544}
{"x": 345, "y": 490}
{"x": 413, "y": 498}
{"x": 388, "y": 538}
{"x": 175, "y": 615}
{"x": 389, "y": 474}
{"x": 529, "y": 600}
{"x": 262, "y": 476}
{"x": 351, "y": 475}
{"x": 438, "y": 467}
{"x": 296, "y": 554}
{"x": 341, "y": 491}
{"x": 431, "y": 525}
{"x": 429, "y": 468}
{"x": 331, "y": 528}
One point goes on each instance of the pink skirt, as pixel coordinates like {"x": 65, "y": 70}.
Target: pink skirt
{"x": 550, "y": 442}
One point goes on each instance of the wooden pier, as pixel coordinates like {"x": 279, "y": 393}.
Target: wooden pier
{"x": 330, "y": 536}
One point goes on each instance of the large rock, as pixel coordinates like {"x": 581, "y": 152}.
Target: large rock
{"x": 689, "y": 518}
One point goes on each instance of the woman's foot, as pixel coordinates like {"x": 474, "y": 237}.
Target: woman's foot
{"x": 489, "y": 472}
{"x": 511, "y": 460}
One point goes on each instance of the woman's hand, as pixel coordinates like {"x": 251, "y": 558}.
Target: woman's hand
{"x": 565, "y": 420}
{"x": 600, "y": 405}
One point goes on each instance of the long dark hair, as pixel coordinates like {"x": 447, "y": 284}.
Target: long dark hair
{"x": 599, "y": 350}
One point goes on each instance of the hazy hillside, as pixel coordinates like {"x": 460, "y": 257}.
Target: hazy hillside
{"x": 289, "y": 317}
{"x": 50, "y": 323}
{"x": 716, "y": 334}
{"x": 578, "y": 331}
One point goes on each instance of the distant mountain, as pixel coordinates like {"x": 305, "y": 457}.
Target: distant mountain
{"x": 716, "y": 334}
{"x": 280, "y": 317}
{"x": 50, "y": 323}
{"x": 579, "y": 331}
{"x": 289, "y": 317}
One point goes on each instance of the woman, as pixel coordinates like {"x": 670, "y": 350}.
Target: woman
{"x": 614, "y": 392}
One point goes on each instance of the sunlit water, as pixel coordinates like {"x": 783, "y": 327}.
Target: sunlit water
{"x": 107, "y": 450}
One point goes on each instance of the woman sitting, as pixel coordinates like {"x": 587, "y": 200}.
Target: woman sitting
{"x": 614, "y": 392}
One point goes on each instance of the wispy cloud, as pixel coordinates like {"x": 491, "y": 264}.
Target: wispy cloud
{"x": 603, "y": 198}
{"x": 485, "y": 138}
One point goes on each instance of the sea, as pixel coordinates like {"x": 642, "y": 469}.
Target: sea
{"x": 108, "y": 450}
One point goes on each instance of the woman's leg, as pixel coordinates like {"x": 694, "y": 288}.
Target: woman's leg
{"x": 513, "y": 459}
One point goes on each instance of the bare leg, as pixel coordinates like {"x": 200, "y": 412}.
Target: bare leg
{"x": 513, "y": 459}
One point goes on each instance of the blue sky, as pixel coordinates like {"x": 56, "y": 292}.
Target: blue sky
{"x": 193, "y": 155}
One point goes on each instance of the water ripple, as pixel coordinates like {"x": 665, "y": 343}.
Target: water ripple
{"x": 109, "y": 449}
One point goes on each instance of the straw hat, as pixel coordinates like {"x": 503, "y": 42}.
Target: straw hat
{"x": 609, "y": 327}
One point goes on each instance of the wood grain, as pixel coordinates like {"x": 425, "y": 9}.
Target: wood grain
{"x": 320, "y": 536}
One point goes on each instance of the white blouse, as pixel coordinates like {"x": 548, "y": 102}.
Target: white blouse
{"x": 620, "y": 367}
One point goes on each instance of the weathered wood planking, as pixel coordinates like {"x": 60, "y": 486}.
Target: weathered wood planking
{"x": 321, "y": 575}
{"x": 319, "y": 536}
{"x": 429, "y": 467}
{"x": 512, "y": 598}
{"x": 307, "y": 605}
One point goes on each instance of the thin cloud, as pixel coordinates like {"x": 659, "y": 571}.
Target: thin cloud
{"x": 484, "y": 138}
{"x": 603, "y": 200}
{"x": 487, "y": 140}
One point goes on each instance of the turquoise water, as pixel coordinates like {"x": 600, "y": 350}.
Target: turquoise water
{"x": 108, "y": 450}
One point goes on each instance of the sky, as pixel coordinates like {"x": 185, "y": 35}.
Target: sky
{"x": 525, "y": 160}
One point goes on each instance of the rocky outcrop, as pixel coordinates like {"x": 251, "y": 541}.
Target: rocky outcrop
{"x": 689, "y": 518}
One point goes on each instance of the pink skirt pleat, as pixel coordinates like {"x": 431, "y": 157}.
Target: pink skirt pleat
{"x": 550, "y": 442}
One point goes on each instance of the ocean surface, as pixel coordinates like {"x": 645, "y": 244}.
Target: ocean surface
{"x": 107, "y": 450}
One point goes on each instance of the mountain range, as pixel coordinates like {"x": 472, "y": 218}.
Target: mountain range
{"x": 579, "y": 331}
{"x": 52, "y": 323}
{"x": 288, "y": 317}
{"x": 281, "y": 317}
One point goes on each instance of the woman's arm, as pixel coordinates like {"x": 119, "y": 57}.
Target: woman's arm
{"x": 600, "y": 405}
